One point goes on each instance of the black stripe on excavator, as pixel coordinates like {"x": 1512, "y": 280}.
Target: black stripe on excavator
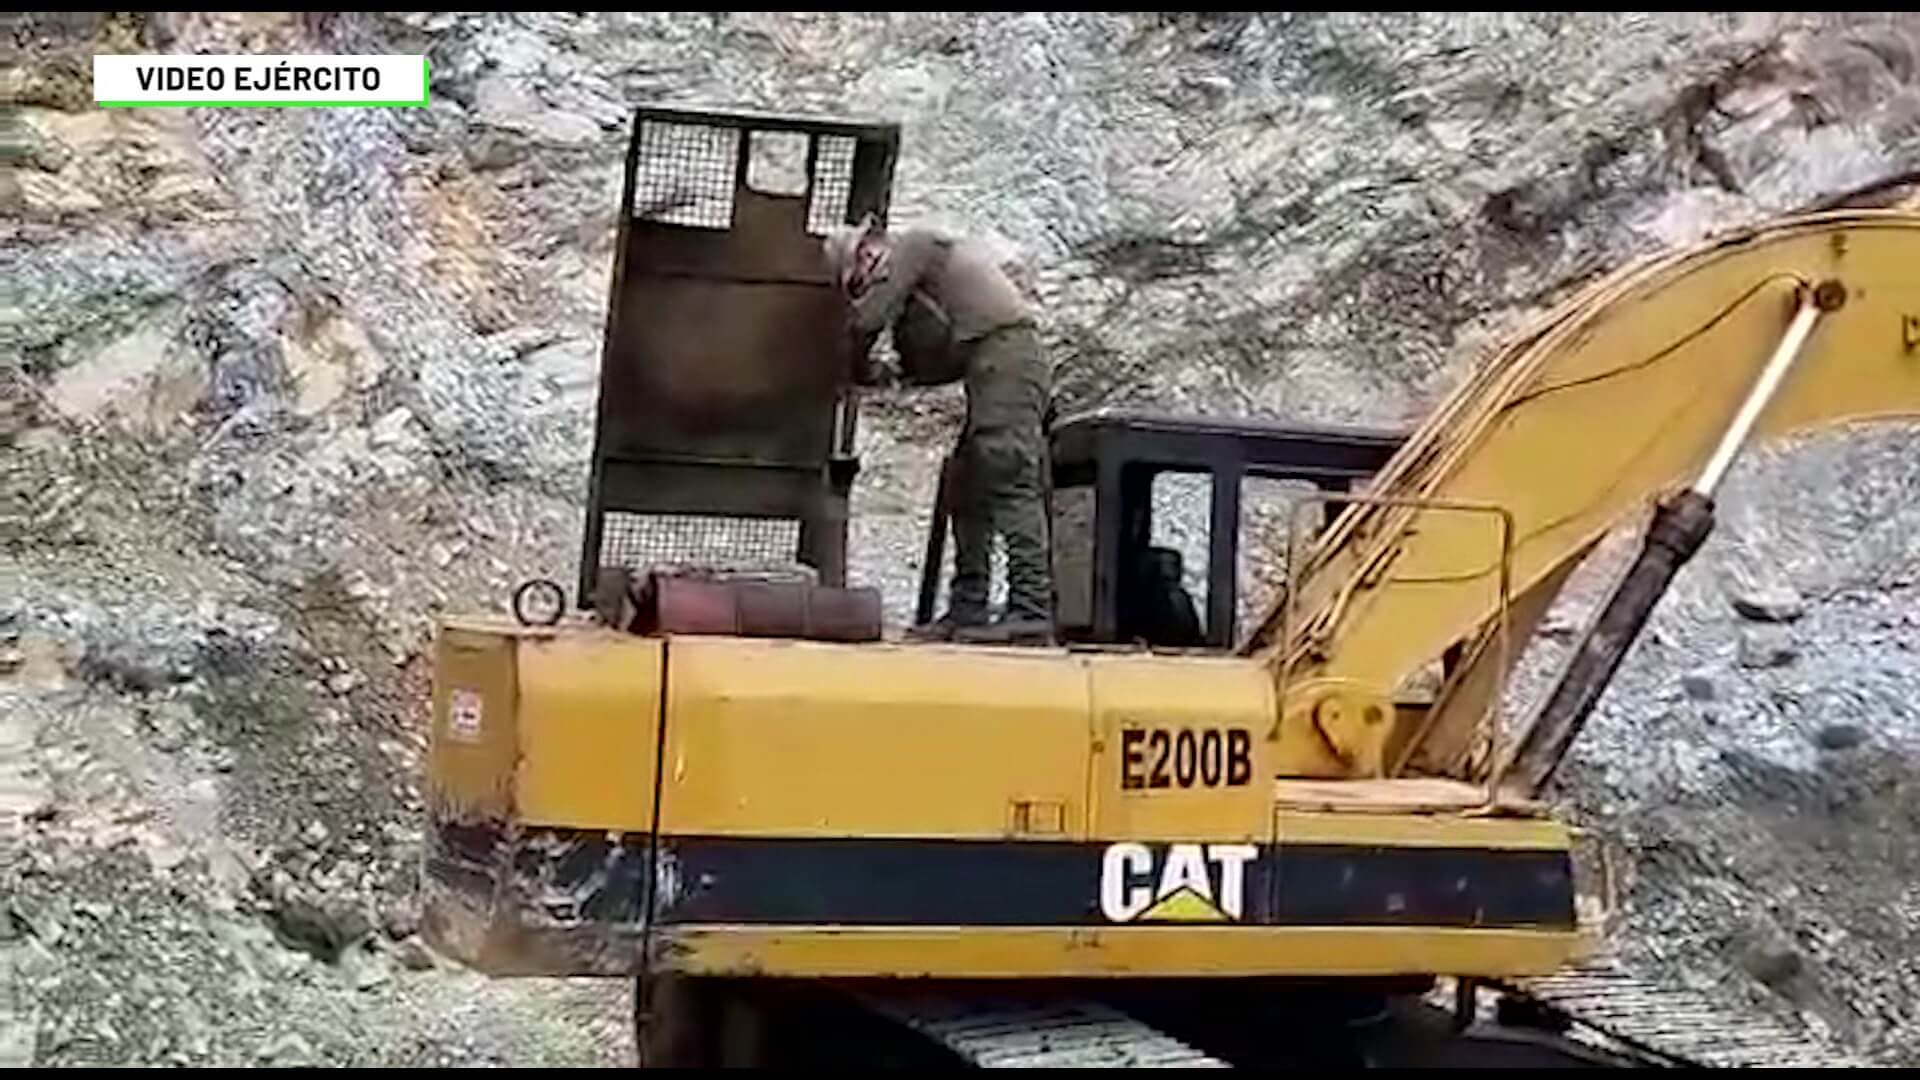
{"x": 875, "y": 882}
{"x": 570, "y": 874}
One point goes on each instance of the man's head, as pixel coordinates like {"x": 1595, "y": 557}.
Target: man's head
{"x": 853, "y": 251}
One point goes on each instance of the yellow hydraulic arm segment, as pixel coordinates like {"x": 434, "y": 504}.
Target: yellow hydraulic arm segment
{"x": 1633, "y": 395}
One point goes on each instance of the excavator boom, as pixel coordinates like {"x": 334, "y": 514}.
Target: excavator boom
{"x": 1623, "y": 394}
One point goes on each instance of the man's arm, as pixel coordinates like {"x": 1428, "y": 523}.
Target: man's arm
{"x": 867, "y": 371}
{"x": 882, "y": 296}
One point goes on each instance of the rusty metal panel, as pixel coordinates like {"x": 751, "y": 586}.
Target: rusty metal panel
{"x": 726, "y": 373}
{"x": 725, "y": 345}
{"x": 747, "y": 608}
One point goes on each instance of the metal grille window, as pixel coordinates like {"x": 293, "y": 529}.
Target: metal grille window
{"x": 637, "y": 541}
{"x": 685, "y": 174}
{"x": 832, "y": 182}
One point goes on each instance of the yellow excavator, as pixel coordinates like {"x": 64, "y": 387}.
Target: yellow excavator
{"x": 1170, "y": 839}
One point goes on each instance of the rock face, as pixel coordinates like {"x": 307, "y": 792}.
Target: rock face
{"x": 278, "y": 386}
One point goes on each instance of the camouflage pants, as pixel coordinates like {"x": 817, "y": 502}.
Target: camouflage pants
{"x": 999, "y": 478}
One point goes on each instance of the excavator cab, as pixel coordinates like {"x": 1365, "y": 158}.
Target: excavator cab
{"x": 1120, "y": 576}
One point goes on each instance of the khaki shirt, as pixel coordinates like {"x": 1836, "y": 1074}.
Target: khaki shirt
{"x": 939, "y": 294}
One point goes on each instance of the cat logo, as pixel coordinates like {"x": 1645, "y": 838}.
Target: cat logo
{"x": 1186, "y": 883}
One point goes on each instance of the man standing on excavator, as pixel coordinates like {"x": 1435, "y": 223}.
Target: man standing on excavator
{"x": 956, "y": 316}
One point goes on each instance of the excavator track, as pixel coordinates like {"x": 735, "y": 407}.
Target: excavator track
{"x": 1039, "y": 1034}
{"x": 1630, "y": 1020}
{"x": 1685, "y": 1028}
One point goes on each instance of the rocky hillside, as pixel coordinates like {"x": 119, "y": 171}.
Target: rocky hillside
{"x": 276, "y": 387}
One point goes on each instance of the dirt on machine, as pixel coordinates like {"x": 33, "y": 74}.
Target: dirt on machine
{"x": 1181, "y": 835}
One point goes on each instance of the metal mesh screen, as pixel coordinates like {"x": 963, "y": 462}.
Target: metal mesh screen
{"x": 685, "y": 174}
{"x": 637, "y": 541}
{"x": 832, "y": 182}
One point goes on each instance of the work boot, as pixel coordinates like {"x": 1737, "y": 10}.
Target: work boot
{"x": 945, "y": 628}
{"x": 1008, "y": 631}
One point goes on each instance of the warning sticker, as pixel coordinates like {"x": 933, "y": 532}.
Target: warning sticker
{"x": 464, "y": 715}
